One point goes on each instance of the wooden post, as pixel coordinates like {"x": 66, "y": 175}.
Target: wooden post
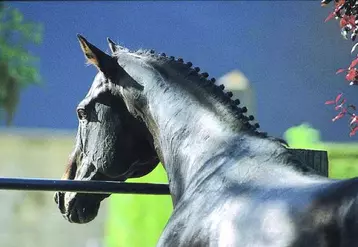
{"x": 317, "y": 159}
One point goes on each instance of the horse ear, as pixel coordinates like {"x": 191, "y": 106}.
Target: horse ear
{"x": 94, "y": 55}
{"x": 112, "y": 45}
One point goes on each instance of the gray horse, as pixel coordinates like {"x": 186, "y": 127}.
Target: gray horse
{"x": 231, "y": 185}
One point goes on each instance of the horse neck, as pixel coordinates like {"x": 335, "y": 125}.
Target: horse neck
{"x": 191, "y": 119}
{"x": 187, "y": 131}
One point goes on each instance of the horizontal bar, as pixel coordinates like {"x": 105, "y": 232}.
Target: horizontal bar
{"x": 92, "y": 187}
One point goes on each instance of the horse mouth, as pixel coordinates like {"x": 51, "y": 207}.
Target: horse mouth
{"x": 78, "y": 208}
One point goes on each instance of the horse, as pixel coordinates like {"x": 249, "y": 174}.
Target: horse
{"x": 231, "y": 185}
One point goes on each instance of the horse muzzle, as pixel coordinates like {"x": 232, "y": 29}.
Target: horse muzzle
{"x": 78, "y": 208}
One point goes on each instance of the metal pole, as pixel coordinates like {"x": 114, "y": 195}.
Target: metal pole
{"x": 92, "y": 187}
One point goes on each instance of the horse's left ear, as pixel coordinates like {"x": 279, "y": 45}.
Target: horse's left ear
{"x": 95, "y": 56}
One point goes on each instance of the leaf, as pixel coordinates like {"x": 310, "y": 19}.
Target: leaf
{"x": 329, "y": 102}
{"x": 353, "y": 63}
{"x": 340, "y": 106}
{"x": 340, "y": 70}
{"x": 339, "y": 96}
{"x": 354, "y": 119}
{"x": 352, "y": 73}
{"x": 351, "y": 20}
{"x": 353, "y": 131}
{"x": 354, "y": 47}
{"x": 339, "y": 116}
{"x": 325, "y": 2}
{"x": 330, "y": 16}
{"x": 18, "y": 67}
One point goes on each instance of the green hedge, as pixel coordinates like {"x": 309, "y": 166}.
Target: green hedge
{"x": 138, "y": 220}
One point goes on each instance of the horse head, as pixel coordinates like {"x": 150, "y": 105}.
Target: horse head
{"x": 111, "y": 144}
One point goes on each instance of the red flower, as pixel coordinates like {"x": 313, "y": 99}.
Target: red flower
{"x": 339, "y": 105}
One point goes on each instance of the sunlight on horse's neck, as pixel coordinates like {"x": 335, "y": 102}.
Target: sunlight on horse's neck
{"x": 186, "y": 132}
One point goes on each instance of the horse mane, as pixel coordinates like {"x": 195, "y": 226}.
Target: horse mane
{"x": 217, "y": 91}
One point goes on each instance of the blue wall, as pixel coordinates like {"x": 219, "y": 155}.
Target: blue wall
{"x": 284, "y": 48}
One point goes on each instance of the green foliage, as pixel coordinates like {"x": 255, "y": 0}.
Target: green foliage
{"x": 17, "y": 65}
{"x": 138, "y": 220}
{"x": 303, "y": 136}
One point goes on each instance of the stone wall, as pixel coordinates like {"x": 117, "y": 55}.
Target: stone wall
{"x": 31, "y": 219}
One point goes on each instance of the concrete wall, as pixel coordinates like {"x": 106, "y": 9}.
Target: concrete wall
{"x": 31, "y": 219}
{"x": 236, "y": 82}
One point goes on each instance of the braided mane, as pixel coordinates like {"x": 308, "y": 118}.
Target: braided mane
{"x": 225, "y": 97}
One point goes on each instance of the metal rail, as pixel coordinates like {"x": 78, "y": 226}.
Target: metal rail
{"x": 92, "y": 187}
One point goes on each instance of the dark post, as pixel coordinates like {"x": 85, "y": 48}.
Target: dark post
{"x": 92, "y": 187}
{"x": 317, "y": 159}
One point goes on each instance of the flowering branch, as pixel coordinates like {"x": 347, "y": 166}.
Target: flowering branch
{"x": 343, "y": 110}
{"x": 346, "y": 11}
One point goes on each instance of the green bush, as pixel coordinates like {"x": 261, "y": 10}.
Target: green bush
{"x": 138, "y": 220}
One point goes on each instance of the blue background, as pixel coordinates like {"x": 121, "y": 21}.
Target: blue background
{"x": 284, "y": 48}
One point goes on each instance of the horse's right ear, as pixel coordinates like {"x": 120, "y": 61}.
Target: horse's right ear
{"x": 95, "y": 56}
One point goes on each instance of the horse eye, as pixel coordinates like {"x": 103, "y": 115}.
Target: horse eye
{"x": 81, "y": 113}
